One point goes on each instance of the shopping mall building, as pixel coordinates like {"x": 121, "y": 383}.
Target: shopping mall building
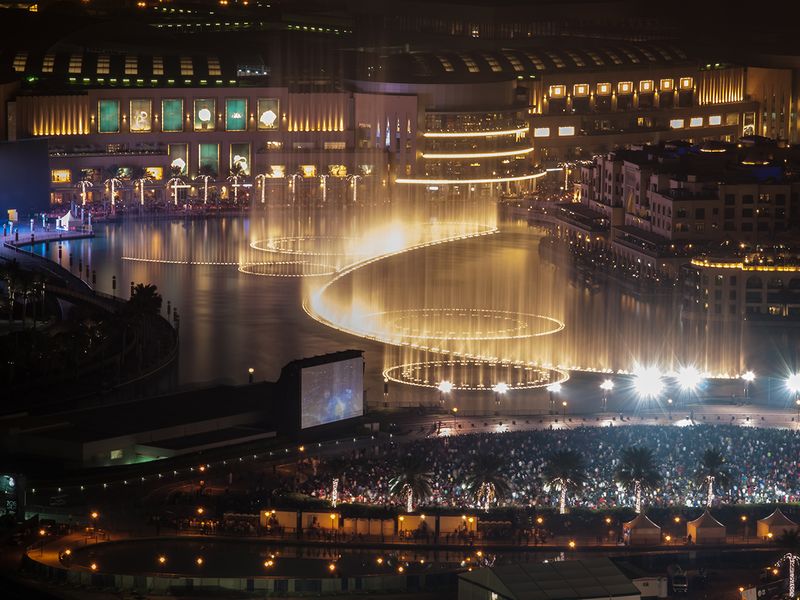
{"x": 461, "y": 121}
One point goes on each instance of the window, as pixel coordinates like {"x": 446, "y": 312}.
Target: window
{"x": 236, "y": 114}
{"x": 268, "y": 110}
{"x": 596, "y": 58}
{"x": 277, "y": 170}
{"x": 603, "y": 89}
{"x": 154, "y": 173}
{"x": 732, "y": 119}
{"x": 566, "y": 131}
{"x": 541, "y": 132}
{"x": 647, "y": 86}
{"x": 493, "y": 64}
{"x": 747, "y": 199}
{"x": 75, "y": 63}
{"x": 614, "y": 57}
{"x": 715, "y": 120}
{"x": 240, "y": 157}
{"x": 103, "y": 64}
{"x": 667, "y": 85}
{"x": 579, "y": 62}
{"x": 700, "y": 213}
{"x": 446, "y": 64}
{"x": 308, "y": 171}
{"x": 172, "y": 114}
{"x": 334, "y": 145}
{"x": 208, "y": 158}
{"x": 273, "y": 145}
{"x": 580, "y": 90}
{"x": 20, "y": 60}
{"x": 625, "y": 87}
{"x": 557, "y": 60}
{"x": 131, "y": 65}
{"x": 141, "y": 118}
{"x": 108, "y": 116}
{"x": 214, "y": 68}
{"x": 187, "y": 68}
{"x": 204, "y": 114}
{"x": 158, "y": 65}
{"x": 469, "y": 62}
{"x": 696, "y": 122}
{"x": 116, "y": 454}
{"x": 178, "y": 157}
{"x": 537, "y": 62}
{"x": 686, "y": 83}
{"x": 48, "y": 62}
{"x": 557, "y": 91}
{"x": 516, "y": 63}
{"x": 676, "y": 123}
{"x": 61, "y": 176}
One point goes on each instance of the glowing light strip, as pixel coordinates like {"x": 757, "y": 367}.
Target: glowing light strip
{"x": 479, "y": 154}
{"x": 469, "y": 181}
{"x": 453, "y": 134}
{"x": 324, "y": 271}
{"x": 744, "y": 267}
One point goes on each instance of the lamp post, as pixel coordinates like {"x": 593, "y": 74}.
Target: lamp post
{"x": 564, "y": 404}
{"x": 748, "y": 377}
{"x": 455, "y": 418}
{"x": 444, "y": 387}
{"x": 499, "y": 389}
{"x": 250, "y": 372}
{"x": 793, "y": 385}
{"x": 744, "y": 522}
{"x": 606, "y": 386}
{"x": 553, "y": 389}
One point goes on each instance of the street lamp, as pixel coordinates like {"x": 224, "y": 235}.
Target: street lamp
{"x": 606, "y": 386}
{"x": 250, "y": 372}
{"x": 793, "y": 385}
{"x": 553, "y": 388}
{"x": 564, "y": 404}
{"x": 455, "y": 418}
{"x": 648, "y": 382}
{"x": 444, "y": 387}
{"x": 744, "y": 521}
{"x": 499, "y": 389}
{"x": 748, "y": 377}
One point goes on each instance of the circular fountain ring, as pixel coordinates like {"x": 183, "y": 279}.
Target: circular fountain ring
{"x": 473, "y": 375}
{"x": 304, "y": 245}
{"x": 472, "y": 324}
{"x": 187, "y": 262}
{"x": 287, "y": 268}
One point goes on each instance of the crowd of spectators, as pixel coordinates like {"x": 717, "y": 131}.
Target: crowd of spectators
{"x": 762, "y": 465}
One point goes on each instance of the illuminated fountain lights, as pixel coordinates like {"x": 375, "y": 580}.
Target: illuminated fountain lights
{"x": 475, "y": 376}
{"x": 419, "y": 326}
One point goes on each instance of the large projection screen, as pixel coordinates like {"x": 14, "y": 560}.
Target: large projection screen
{"x": 332, "y": 392}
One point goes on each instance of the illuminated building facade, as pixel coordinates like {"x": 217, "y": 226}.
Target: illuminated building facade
{"x": 654, "y": 207}
{"x": 749, "y": 284}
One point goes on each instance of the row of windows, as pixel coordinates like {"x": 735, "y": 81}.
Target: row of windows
{"x": 204, "y": 115}
{"x": 77, "y": 63}
{"x": 713, "y": 121}
{"x": 580, "y": 90}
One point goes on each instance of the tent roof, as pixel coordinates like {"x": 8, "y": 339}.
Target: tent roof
{"x": 777, "y": 518}
{"x": 641, "y": 523}
{"x": 706, "y": 521}
{"x": 563, "y": 580}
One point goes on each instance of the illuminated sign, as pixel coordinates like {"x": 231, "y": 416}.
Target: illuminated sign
{"x": 277, "y": 170}
{"x": 204, "y": 111}
{"x": 541, "y": 132}
{"x": 61, "y": 176}
{"x": 676, "y": 123}
{"x": 268, "y": 111}
{"x": 646, "y": 86}
{"x": 157, "y": 173}
{"x": 580, "y": 90}
{"x": 338, "y": 170}
{"x": 108, "y": 116}
{"x": 565, "y": 131}
{"x": 240, "y": 155}
{"x": 141, "y": 119}
{"x": 208, "y": 158}
{"x": 603, "y": 89}
{"x": 696, "y": 122}
{"x": 557, "y": 91}
{"x": 715, "y": 120}
{"x": 686, "y": 83}
{"x": 236, "y": 114}
{"x": 308, "y": 170}
{"x": 625, "y": 87}
{"x": 667, "y": 85}
{"x": 172, "y": 115}
{"x": 178, "y": 157}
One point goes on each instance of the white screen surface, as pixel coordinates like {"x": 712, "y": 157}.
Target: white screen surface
{"x": 332, "y": 392}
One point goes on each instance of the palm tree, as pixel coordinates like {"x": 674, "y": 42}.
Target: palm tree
{"x": 144, "y": 304}
{"x": 206, "y": 173}
{"x": 486, "y": 480}
{"x": 637, "y": 469}
{"x": 712, "y": 469}
{"x": 413, "y": 480}
{"x": 237, "y": 174}
{"x": 566, "y": 472}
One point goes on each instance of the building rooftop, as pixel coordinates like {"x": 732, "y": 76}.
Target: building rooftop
{"x": 561, "y": 580}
